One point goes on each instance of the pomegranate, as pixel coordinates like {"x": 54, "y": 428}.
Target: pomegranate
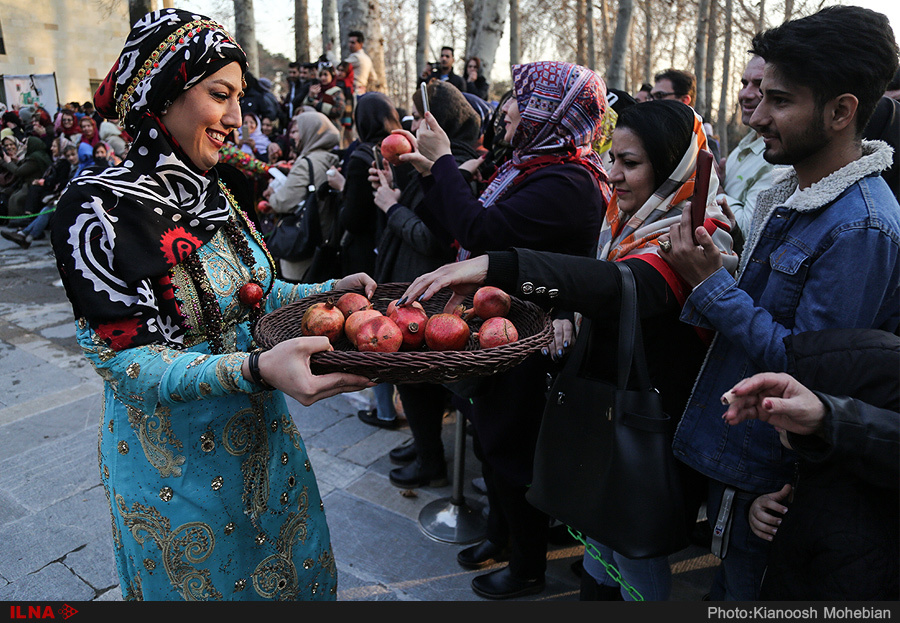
{"x": 323, "y": 319}
{"x": 356, "y": 320}
{"x": 496, "y": 331}
{"x": 446, "y": 332}
{"x": 393, "y": 146}
{"x": 490, "y": 302}
{"x": 351, "y": 302}
{"x": 380, "y": 334}
{"x": 412, "y": 320}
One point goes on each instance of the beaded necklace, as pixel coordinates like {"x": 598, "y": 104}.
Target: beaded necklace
{"x": 251, "y": 294}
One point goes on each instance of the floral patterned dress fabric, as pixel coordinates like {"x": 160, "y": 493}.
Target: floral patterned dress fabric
{"x": 212, "y": 493}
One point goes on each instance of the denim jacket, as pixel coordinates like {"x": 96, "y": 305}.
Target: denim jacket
{"x": 830, "y": 259}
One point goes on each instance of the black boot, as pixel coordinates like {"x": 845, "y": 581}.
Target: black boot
{"x": 591, "y": 590}
{"x": 404, "y": 454}
{"x": 418, "y": 475}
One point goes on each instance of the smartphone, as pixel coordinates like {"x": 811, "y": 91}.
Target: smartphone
{"x": 423, "y": 86}
{"x": 379, "y": 159}
{"x": 701, "y": 190}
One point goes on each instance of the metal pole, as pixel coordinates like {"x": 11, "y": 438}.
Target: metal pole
{"x": 455, "y": 519}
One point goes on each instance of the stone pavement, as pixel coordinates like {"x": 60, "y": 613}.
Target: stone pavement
{"x": 54, "y": 516}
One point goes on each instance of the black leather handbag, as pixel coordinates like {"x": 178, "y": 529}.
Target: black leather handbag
{"x": 604, "y": 463}
{"x": 297, "y": 233}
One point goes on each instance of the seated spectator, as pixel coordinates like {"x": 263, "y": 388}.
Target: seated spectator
{"x": 43, "y": 129}
{"x": 90, "y": 133}
{"x": 31, "y": 167}
{"x": 12, "y": 121}
{"x": 47, "y": 191}
{"x": 111, "y": 134}
{"x": 66, "y": 124}
{"x": 476, "y": 83}
{"x": 101, "y": 156}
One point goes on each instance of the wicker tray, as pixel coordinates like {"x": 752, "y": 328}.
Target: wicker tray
{"x": 421, "y": 366}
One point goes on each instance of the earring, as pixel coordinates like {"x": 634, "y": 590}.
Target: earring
{"x": 165, "y": 108}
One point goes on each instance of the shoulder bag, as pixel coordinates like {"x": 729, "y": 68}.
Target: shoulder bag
{"x": 296, "y": 234}
{"x": 604, "y": 463}
{"x": 326, "y": 258}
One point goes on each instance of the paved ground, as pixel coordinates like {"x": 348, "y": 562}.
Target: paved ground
{"x": 54, "y": 517}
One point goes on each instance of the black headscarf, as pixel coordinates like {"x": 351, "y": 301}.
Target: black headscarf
{"x": 118, "y": 232}
{"x": 375, "y": 117}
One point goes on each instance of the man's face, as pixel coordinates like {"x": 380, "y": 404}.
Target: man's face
{"x": 642, "y": 96}
{"x": 664, "y": 90}
{"x": 750, "y": 96}
{"x": 354, "y": 44}
{"x": 446, "y": 59}
{"x": 293, "y": 74}
{"x": 790, "y": 122}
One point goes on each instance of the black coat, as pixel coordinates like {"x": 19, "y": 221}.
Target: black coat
{"x": 557, "y": 208}
{"x": 839, "y": 540}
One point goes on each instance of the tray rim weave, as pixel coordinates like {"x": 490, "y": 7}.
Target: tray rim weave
{"x": 423, "y": 366}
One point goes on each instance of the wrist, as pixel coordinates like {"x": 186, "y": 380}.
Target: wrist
{"x": 252, "y": 369}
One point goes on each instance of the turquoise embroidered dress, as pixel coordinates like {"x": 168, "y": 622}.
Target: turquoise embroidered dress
{"x": 211, "y": 490}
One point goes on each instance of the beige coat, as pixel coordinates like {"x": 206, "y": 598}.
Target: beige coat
{"x": 318, "y": 139}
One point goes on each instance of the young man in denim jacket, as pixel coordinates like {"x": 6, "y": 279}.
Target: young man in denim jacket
{"x": 823, "y": 252}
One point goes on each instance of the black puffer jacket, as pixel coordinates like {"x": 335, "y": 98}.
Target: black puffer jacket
{"x": 839, "y": 539}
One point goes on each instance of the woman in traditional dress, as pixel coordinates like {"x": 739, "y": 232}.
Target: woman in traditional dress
{"x": 211, "y": 490}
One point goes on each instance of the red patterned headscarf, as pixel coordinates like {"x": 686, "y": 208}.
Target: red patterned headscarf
{"x": 562, "y": 106}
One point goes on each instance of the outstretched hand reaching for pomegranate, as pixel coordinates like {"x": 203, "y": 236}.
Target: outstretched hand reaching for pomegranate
{"x": 463, "y": 278}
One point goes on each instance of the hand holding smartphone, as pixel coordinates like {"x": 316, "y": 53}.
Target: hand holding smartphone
{"x": 701, "y": 190}
{"x": 424, "y": 88}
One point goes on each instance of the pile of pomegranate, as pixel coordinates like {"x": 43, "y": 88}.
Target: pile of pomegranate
{"x": 410, "y": 327}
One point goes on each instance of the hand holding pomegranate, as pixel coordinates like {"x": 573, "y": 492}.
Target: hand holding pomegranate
{"x": 286, "y": 367}
{"x": 419, "y": 162}
{"x": 463, "y": 278}
{"x": 357, "y": 280}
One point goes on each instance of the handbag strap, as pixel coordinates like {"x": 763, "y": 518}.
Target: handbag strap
{"x": 631, "y": 354}
{"x": 310, "y": 188}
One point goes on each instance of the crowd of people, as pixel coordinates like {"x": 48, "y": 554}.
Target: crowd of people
{"x": 771, "y": 332}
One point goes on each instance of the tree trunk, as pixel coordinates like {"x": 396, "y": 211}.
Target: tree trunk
{"x": 301, "y": 31}
{"x": 722, "y": 125}
{"x": 761, "y": 17}
{"x": 788, "y": 10}
{"x": 513, "y": 32}
{"x": 589, "y": 35}
{"x": 488, "y": 19}
{"x": 616, "y": 72}
{"x": 710, "y": 72}
{"x": 245, "y": 33}
{"x": 364, "y": 15}
{"x": 579, "y": 32}
{"x": 138, "y": 9}
{"x": 329, "y": 27}
{"x": 700, "y": 54}
{"x": 648, "y": 43}
{"x": 604, "y": 20}
{"x": 422, "y": 34}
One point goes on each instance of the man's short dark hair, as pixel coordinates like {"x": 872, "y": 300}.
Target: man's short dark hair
{"x": 358, "y": 34}
{"x": 682, "y": 81}
{"x": 447, "y": 47}
{"x": 310, "y": 66}
{"x": 294, "y": 65}
{"x": 840, "y": 49}
{"x": 646, "y": 87}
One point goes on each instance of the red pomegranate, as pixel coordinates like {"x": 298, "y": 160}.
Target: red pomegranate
{"x": 323, "y": 319}
{"x": 490, "y": 302}
{"x": 393, "y": 146}
{"x": 380, "y": 334}
{"x": 393, "y": 305}
{"x": 447, "y": 331}
{"x": 356, "y": 320}
{"x": 351, "y": 302}
{"x": 412, "y": 320}
{"x": 496, "y": 332}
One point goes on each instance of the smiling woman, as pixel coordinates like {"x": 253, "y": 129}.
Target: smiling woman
{"x": 211, "y": 491}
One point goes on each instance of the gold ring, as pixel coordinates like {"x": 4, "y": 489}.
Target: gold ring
{"x": 665, "y": 245}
